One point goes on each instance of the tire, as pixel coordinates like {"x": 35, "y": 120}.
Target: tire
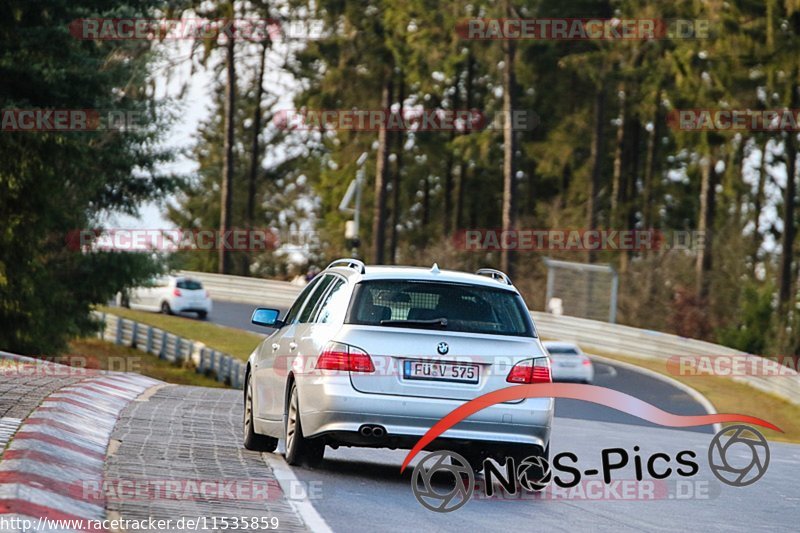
{"x": 300, "y": 450}
{"x": 165, "y": 308}
{"x": 124, "y": 302}
{"x": 252, "y": 440}
{"x": 202, "y": 315}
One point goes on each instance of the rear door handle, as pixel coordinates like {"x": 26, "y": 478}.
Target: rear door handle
{"x": 292, "y": 345}
{"x": 275, "y": 346}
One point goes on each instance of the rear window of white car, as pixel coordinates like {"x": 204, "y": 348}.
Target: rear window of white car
{"x": 189, "y": 284}
{"x": 562, "y": 350}
{"x": 438, "y": 305}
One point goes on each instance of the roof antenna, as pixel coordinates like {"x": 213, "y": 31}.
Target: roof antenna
{"x": 435, "y": 269}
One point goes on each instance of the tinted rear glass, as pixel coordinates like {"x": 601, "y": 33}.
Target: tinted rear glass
{"x": 562, "y": 351}
{"x": 418, "y": 304}
{"x": 189, "y": 284}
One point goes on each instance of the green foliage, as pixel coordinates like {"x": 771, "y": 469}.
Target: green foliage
{"x": 750, "y": 332}
{"x": 52, "y": 183}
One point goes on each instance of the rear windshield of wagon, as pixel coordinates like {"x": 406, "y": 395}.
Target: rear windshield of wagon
{"x": 440, "y": 306}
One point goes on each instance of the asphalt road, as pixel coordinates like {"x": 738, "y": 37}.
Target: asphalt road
{"x": 639, "y": 385}
{"x": 363, "y": 489}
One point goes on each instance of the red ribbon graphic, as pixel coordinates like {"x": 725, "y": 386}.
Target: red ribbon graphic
{"x": 588, "y": 393}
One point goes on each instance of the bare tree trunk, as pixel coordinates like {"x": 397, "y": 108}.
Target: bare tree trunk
{"x": 566, "y": 178}
{"x": 598, "y": 132}
{"x": 226, "y": 192}
{"x": 787, "y": 242}
{"x": 381, "y": 168}
{"x": 449, "y": 169}
{"x": 706, "y": 223}
{"x": 396, "y": 176}
{"x": 255, "y": 150}
{"x": 619, "y": 153}
{"x": 758, "y": 202}
{"x": 628, "y": 185}
{"x": 509, "y": 150}
{"x": 465, "y": 171}
{"x": 650, "y": 165}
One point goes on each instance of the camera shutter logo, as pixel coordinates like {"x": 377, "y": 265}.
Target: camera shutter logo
{"x": 456, "y": 469}
{"x": 533, "y": 473}
{"x": 723, "y": 446}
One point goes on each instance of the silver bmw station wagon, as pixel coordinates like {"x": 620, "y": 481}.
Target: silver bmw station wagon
{"x": 373, "y": 356}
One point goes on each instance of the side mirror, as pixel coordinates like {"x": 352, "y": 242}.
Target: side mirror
{"x": 266, "y": 317}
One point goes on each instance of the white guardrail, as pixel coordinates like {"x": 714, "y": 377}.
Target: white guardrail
{"x": 591, "y": 335}
{"x": 208, "y": 361}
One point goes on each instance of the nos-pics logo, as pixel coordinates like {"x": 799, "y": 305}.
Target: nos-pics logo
{"x": 444, "y": 481}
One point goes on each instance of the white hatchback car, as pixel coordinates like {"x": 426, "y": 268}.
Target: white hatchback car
{"x": 169, "y": 294}
{"x": 569, "y": 362}
{"x": 375, "y": 356}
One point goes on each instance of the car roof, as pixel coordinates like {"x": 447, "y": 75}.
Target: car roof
{"x": 410, "y": 273}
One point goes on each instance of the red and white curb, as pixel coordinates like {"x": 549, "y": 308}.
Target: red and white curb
{"x": 54, "y": 464}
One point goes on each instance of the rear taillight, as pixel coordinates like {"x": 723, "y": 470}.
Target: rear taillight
{"x": 339, "y": 356}
{"x": 176, "y": 292}
{"x": 531, "y": 371}
{"x": 586, "y": 361}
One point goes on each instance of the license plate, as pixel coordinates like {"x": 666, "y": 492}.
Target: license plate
{"x": 567, "y": 365}
{"x": 436, "y": 371}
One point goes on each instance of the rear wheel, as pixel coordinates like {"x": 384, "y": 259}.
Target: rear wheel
{"x": 299, "y": 449}
{"x": 165, "y": 308}
{"x": 252, "y": 440}
{"x": 202, "y": 315}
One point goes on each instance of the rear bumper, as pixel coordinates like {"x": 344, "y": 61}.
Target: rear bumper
{"x": 576, "y": 373}
{"x": 330, "y": 406}
{"x": 180, "y": 306}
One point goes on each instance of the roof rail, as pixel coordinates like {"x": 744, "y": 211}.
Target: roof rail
{"x": 349, "y": 263}
{"x": 494, "y": 274}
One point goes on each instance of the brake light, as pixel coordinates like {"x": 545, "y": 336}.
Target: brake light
{"x": 339, "y": 356}
{"x": 531, "y": 371}
{"x": 176, "y": 292}
{"x": 586, "y": 362}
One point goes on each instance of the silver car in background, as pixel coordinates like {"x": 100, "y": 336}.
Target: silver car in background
{"x": 375, "y": 356}
{"x": 569, "y": 363}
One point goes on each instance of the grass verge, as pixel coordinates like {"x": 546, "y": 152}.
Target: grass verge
{"x": 729, "y": 396}
{"x": 236, "y": 342}
{"x": 101, "y": 355}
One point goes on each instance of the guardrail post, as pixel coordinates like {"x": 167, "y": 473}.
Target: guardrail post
{"x": 134, "y": 332}
{"x": 162, "y": 354}
{"x": 178, "y": 346}
{"x": 149, "y": 345}
{"x": 120, "y": 325}
{"x": 612, "y": 314}
{"x": 103, "y": 326}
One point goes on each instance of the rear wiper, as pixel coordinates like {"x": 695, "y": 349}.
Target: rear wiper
{"x": 440, "y": 322}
